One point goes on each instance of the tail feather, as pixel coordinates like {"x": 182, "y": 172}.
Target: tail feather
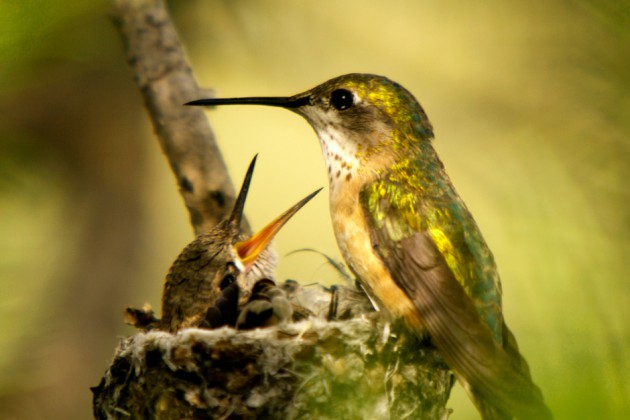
{"x": 529, "y": 400}
{"x": 495, "y": 375}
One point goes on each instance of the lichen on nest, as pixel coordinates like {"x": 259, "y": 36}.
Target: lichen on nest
{"x": 358, "y": 368}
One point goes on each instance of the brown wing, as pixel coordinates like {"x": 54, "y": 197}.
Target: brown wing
{"x": 493, "y": 376}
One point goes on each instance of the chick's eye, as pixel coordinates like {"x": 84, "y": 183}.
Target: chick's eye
{"x": 227, "y": 280}
{"x": 341, "y": 99}
{"x": 229, "y": 275}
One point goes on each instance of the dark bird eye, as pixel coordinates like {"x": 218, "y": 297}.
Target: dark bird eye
{"x": 227, "y": 280}
{"x": 341, "y": 99}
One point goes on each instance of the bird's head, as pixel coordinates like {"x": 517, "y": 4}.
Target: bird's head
{"x": 364, "y": 122}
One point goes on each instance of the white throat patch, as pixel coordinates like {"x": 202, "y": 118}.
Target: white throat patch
{"x": 340, "y": 156}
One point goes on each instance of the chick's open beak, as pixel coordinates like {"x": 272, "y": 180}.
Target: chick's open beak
{"x": 250, "y": 249}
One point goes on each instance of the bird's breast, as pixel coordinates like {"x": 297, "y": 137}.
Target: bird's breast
{"x": 354, "y": 241}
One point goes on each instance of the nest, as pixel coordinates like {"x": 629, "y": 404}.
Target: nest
{"x": 359, "y": 368}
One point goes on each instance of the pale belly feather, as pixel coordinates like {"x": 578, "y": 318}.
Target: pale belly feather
{"x": 354, "y": 242}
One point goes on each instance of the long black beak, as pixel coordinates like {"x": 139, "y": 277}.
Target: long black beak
{"x": 239, "y": 205}
{"x": 283, "y": 102}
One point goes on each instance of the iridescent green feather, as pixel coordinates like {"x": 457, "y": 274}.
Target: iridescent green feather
{"x": 416, "y": 195}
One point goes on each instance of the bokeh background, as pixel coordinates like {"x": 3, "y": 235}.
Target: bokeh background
{"x": 531, "y": 107}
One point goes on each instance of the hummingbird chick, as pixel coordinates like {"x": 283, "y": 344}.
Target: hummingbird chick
{"x": 268, "y": 305}
{"x": 214, "y": 275}
{"x": 408, "y": 236}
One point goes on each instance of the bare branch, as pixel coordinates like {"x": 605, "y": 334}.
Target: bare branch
{"x": 166, "y": 82}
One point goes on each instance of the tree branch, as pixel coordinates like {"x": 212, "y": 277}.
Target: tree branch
{"x": 165, "y": 80}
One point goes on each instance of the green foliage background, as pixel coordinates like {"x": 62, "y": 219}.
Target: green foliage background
{"x": 530, "y": 102}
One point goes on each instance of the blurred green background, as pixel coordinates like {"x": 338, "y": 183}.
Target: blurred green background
{"x": 531, "y": 107}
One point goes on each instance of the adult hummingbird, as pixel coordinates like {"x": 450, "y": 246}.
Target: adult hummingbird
{"x": 408, "y": 236}
{"x": 215, "y": 274}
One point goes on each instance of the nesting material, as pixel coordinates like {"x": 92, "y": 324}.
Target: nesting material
{"x": 361, "y": 368}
